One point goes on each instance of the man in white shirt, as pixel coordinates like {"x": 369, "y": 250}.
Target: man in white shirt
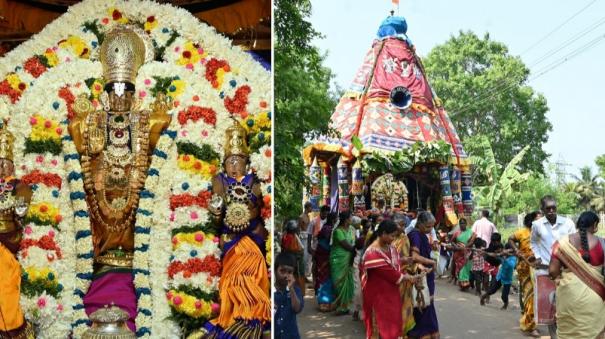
{"x": 484, "y": 228}
{"x": 544, "y": 232}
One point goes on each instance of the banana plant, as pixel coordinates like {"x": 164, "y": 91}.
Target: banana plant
{"x": 498, "y": 185}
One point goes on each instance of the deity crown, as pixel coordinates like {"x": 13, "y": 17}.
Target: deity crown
{"x": 236, "y": 140}
{"x": 6, "y": 142}
{"x": 123, "y": 51}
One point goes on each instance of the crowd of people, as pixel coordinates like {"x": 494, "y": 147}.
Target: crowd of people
{"x": 381, "y": 267}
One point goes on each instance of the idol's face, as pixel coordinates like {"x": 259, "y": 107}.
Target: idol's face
{"x": 235, "y": 166}
{"x": 121, "y": 103}
{"x": 6, "y": 168}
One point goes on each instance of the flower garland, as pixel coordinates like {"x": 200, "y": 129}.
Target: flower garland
{"x": 40, "y": 80}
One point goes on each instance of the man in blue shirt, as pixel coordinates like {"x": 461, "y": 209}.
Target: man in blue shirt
{"x": 504, "y": 278}
{"x": 287, "y": 298}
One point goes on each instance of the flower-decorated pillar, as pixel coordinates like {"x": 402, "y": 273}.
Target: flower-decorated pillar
{"x": 467, "y": 198}
{"x": 357, "y": 186}
{"x": 456, "y": 185}
{"x": 343, "y": 185}
{"x": 314, "y": 179}
{"x": 325, "y": 184}
{"x": 446, "y": 195}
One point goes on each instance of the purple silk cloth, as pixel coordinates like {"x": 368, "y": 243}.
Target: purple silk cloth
{"x": 116, "y": 288}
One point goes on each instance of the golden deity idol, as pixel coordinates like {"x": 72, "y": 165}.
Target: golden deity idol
{"x": 115, "y": 144}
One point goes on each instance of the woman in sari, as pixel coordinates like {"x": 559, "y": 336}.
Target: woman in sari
{"x": 321, "y": 266}
{"x": 425, "y": 318}
{"x": 381, "y": 280}
{"x": 341, "y": 263}
{"x": 402, "y": 245}
{"x": 522, "y": 237}
{"x": 577, "y": 266}
{"x": 463, "y": 241}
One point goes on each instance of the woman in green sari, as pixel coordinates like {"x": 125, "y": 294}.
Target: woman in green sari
{"x": 463, "y": 242}
{"x": 341, "y": 263}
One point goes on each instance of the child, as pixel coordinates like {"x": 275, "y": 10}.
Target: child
{"x": 492, "y": 263}
{"x": 287, "y": 298}
{"x": 504, "y": 278}
{"x": 478, "y": 264}
{"x": 292, "y": 244}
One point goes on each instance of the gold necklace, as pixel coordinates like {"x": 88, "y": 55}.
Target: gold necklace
{"x": 139, "y": 162}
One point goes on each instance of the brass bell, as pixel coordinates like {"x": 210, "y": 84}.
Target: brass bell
{"x": 109, "y": 323}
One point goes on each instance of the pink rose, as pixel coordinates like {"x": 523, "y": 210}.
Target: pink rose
{"x": 41, "y": 302}
{"x": 177, "y": 300}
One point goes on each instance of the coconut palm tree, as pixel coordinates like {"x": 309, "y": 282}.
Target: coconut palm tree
{"x": 587, "y": 187}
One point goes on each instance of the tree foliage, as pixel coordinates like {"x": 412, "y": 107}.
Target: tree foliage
{"x": 302, "y": 99}
{"x": 499, "y": 184}
{"x": 600, "y": 161}
{"x": 485, "y": 90}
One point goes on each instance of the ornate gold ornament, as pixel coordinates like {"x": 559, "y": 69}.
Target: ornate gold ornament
{"x": 6, "y": 142}
{"x": 109, "y": 323}
{"x": 236, "y": 141}
{"x": 123, "y": 51}
{"x": 237, "y": 216}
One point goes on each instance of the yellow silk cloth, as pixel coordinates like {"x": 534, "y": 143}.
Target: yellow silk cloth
{"x": 580, "y": 310}
{"x": 402, "y": 244}
{"x": 244, "y": 285}
{"x": 10, "y": 284}
{"x": 526, "y": 282}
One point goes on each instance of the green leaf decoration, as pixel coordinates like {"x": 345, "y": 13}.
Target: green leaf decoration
{"x": 42, "y": 146}
{"x": 357, "y": 143}
{"x": 204, "y": 152}
{"x": 405, "y": 159}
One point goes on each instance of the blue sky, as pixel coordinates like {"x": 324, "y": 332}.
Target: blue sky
{"x": 575, "y": 90}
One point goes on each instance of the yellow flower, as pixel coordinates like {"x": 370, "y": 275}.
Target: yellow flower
{"x": 44, "y": 212}
{"x": 191, "y": 164}
{"x": 42, "y": 275}
{"x": 96, "y": 88}
{"x": 51, "y": 57}
{"x": 150, "y": 23}
{"x": 13, "y": 80}
{"x": 268, "y": 246}
{"x": 77, "y": 46}
{"x": 189, "y": 305}
{"x": 263, "y": 121}
{"x": 117, "y": 15}
{"x": 176, "y": 88}
{"x": 191, "y": 54}
{"x": 220, "y": 76}
{"x": 195, "y": 238}
{"x": 44, "y": 129}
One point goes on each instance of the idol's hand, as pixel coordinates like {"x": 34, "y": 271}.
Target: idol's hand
{"x": 96, "y": 139}
{"x": 216, "y": 204}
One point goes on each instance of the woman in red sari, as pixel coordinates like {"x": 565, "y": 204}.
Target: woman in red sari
{"x": 380, "y": 280}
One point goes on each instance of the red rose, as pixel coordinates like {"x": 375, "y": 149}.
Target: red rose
{"x": 151, "y": 19}
{"x": 116, "y": 15}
